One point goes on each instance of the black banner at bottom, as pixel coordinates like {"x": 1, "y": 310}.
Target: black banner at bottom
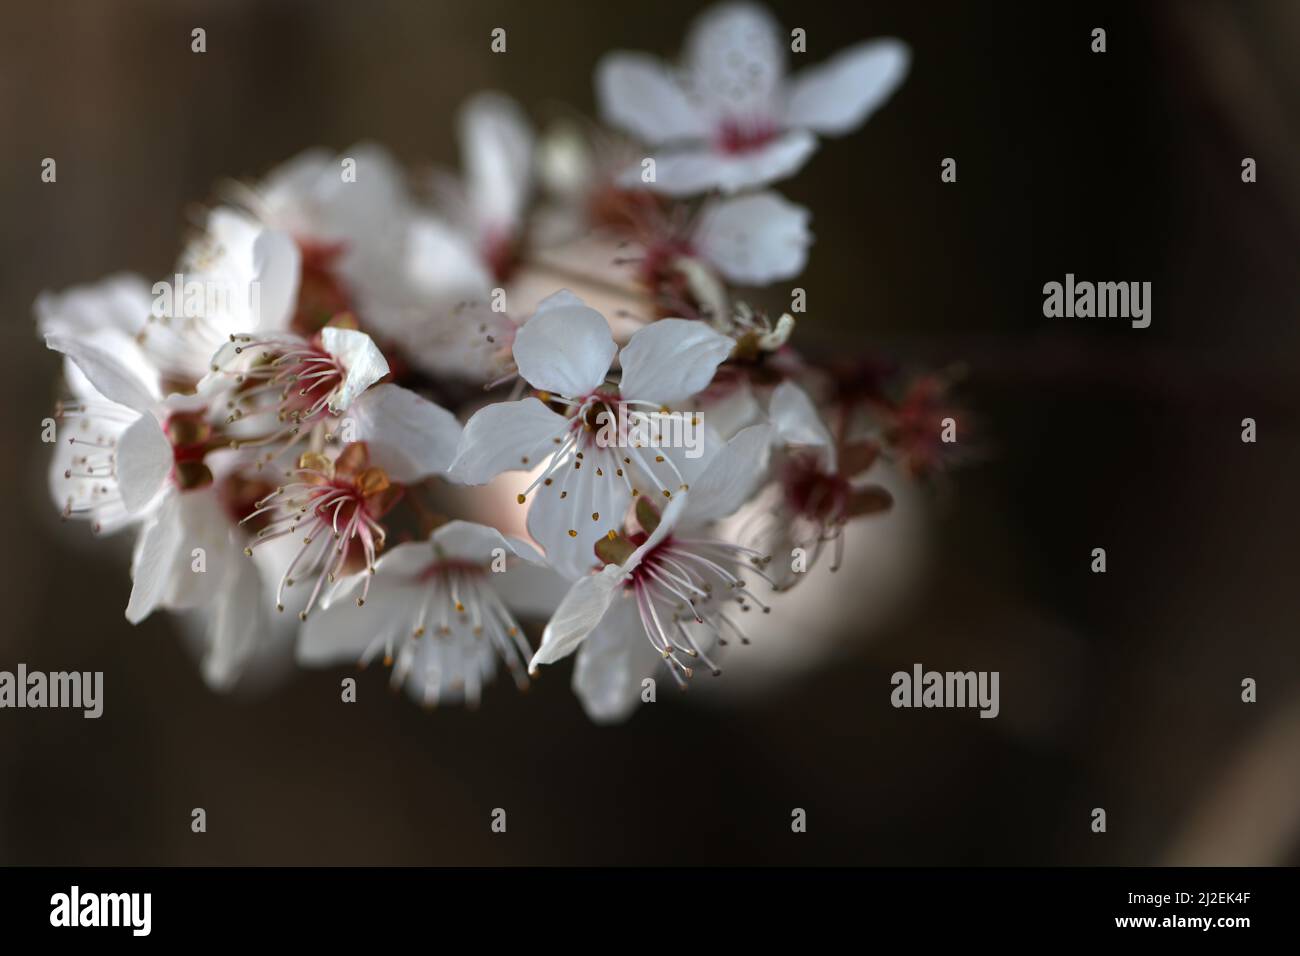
{"x": 91, "y": 906}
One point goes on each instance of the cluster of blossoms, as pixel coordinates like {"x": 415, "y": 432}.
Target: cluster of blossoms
{"x": 347, "y": 346}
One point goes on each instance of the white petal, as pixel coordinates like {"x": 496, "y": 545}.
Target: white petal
{"x": 154, "y": 560}
{"x": 497, "y": 150}
{"x": 551, "y": 517}
{"x": 144, "y": 460}
{"x": 557, "y": 300}
{"x": 795, "y": 420}
{"x": 235, "y": 623}
{"x": 361, "y": 359}
{"x": 839, "y": 95}
{"x": 255, "y": 269}
{"x": 729, "y": 408}
{"x": 477, "y": 544}
{"x": 731, "y": 475}
{"x": 394, "y": 571}
{"x": 533, "y": 590}
{"x": 443, "y": 263}
{"x": 757, "y": 239}
{"x": 343, "y": 632}
{"x": 411, "y": 558}
{"x": 579, "y": 612}
{"x": 565, "y": 350}
{"x": 610, "y": 666}
{"x": 639, "y": 94}
{"x": 670, "y": 360}
{"x": 112, "y": 379}
{"x": 500, "y": 436}
{"x": 204, "y": 525}
{"x": 735, "y": 53}
{"x": 688, "y": 172}
{"x": 277, "y": 266}
{"x": 409, "y": 437}
{"x": 84, "y": 496}
{"x": 120, "y": 302}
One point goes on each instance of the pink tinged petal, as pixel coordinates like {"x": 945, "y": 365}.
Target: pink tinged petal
{"x": 735, "y": 56}
{"x": 277, "y": 265}
{"x": 409, "y": 437}
{"x": 577, "y": 615}
{"x": 361, "y": 359}
{"x": 639, "y": 94}
{"x": 566, "y": 350}
{"x": 611, "y": 665}
{"x": 839, "y": 95}
{"x": 670, "y": 360}
{"x": 497, "y": 152}
{"x": 499, "y": 437}
{"x": 757, "y": 239}
{"x": 795, "y": 421}
{"x": 691, "y": 171}
{"x": 110, "y": 377}
{"x": 731, "y": 475}
{"x": 143, "y": 461}
{"x": 153, "y": 563}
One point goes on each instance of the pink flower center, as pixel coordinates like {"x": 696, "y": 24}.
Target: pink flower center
{"x": 736, "y": 136}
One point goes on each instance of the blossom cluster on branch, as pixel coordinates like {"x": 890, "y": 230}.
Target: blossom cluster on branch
{"x": 346, "y": 340}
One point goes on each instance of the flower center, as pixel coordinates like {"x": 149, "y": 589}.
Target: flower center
{"x": 291, "y": 377}
{"x": 738, "y": 136}
{"x": 339, "y": 504}
{"x": 682, "y": 582}
{"x": 190, "y": 434}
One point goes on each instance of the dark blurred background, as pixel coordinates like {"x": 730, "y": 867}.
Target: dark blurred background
{"x": 1119, "y": 691}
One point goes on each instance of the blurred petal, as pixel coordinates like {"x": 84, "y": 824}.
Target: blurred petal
{"x": 797, "y": 422}
{"x": 688, "y": 172}
{"x": 753, "y": 240}
{"x": 639, "y": 94}
{"x": 611, "y": 664}
{"x": 497, "y": 153}
{"x": 112, "y": 379}
{"x": 839, "y": 95}
{"x": 735, "y": 53}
